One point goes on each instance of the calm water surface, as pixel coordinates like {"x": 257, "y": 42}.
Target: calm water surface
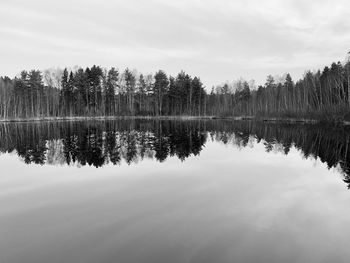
{"x": 173, "y": 191}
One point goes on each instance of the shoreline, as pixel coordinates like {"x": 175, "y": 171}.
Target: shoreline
{"x": 102, "y": 118}
{"x": 236, "y": 118}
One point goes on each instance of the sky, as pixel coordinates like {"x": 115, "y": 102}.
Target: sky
{"x": 216, "y": 40}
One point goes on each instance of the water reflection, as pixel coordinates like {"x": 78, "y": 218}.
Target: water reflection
{"x": 98, "y": 143}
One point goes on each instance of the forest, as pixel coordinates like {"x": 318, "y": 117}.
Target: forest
{"x": 97, "y": 91}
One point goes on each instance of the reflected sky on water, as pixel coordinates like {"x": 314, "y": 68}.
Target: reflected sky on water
{"x": 235, "y": 197}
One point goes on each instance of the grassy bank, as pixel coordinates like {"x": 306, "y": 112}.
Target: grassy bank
{"x": 87, "y": 118}
{"x": 235, "y": 118}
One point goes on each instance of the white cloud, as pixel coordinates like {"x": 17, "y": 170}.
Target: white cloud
{"x": 217, "y": 40}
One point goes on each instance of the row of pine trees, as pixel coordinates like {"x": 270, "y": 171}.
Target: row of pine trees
{"x": 97, "y": 91}
{"x": 318, "y": 95}
{"x": 100, "y": 92}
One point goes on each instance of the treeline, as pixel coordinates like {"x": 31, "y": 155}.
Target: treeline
{"x": 319, "y": 95}
{"x": 97, "y": 91}
{"x": 100, "y": 92}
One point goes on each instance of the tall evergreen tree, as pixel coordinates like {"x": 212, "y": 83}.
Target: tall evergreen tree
{"x": 160, "y": 89}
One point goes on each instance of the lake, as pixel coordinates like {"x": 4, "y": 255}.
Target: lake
{"x": 173, "y": 191}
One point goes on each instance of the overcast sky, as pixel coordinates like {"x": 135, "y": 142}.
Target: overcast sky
{"x": 218, "y": 40}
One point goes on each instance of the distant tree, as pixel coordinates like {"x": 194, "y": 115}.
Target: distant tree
{"x": 64, "y": 101}
{"x": 130, "y": 82}
{"x": 142, "y": 87}
{"x": 112, "y": 84}
{"x": 160, "y": 89}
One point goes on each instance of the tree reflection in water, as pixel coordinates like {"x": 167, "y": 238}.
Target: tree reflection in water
{"x": 97, "y": 143}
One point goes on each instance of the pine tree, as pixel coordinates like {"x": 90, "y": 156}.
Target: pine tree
{"x": 160, "y": 89}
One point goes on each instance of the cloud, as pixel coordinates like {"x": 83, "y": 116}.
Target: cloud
{"x": 217, "y": 40}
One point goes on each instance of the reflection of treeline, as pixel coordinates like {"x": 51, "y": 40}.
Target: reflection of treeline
{"x": 101, "y": 142}
{"x": 331, "y": 145}
{"x": 98, "y": 143}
